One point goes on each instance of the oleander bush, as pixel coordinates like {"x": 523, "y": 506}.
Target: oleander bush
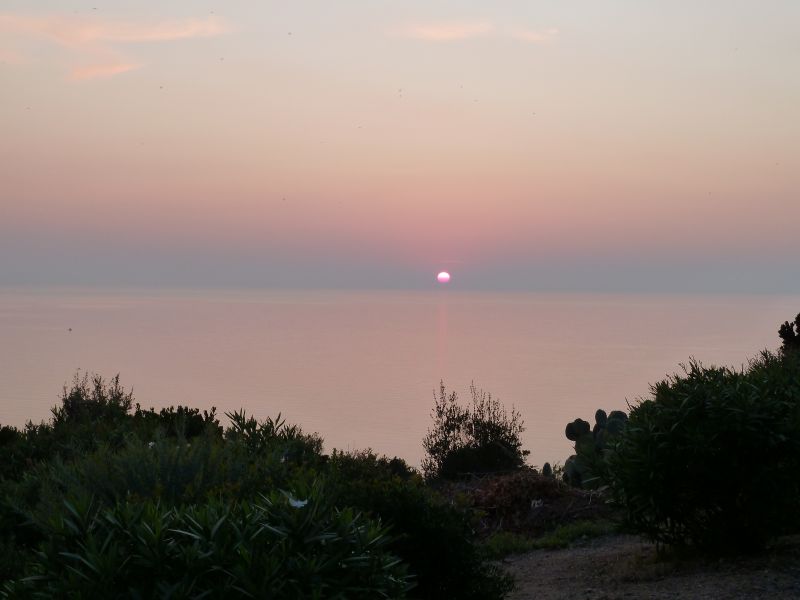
{"x": 436, "y": 540}
{"x": 712, "y": 458}
{"x": 278, "y": 547}
{"x": 109, "y": 500}
{"x": 174, "y": 470}
{"x": 482, "y": 437}
{"x": 179, "y": 422}
{"x": 170, "y": 471}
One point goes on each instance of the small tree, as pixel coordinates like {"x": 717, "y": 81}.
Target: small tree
{"x": 480, "y": 438}
{"x": 91, "y": 400}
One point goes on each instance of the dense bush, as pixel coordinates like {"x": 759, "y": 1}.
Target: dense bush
{"x": 712, "y": 458}
{"x": 13, "y": 451}
{"x": 96, "y": 413}
{"x": 171, "y": 471}
{"x": 278, "y": 547}
{"x": 181, "y": 422}
{"x": 435, "y": 540}
{"x": 274, "y": 436}
{"x": 92, "y": 410}
{"x": 125, "y": 473}
{"x": 586, "y": 468}
{"x": 479, "y": 438}
{"x": 93, "y": 401}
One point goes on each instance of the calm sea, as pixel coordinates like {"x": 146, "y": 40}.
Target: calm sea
{"x": 360, "y": 367}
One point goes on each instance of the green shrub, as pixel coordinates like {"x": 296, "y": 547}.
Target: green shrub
{"x": 501, "y": 544}
{"x": 95, "y": 413}
{"x": 279, "y": 547}
{"x": 480, "y": 438}
{"x": 91, "y": 412}
{"x": 431, "y": 535}
{"x": 9, "y": 436}
{"x": 92, "y": 400}
{"x": 273, "y": 435}
{"x": 569, "y": 533}
{"x": 712, "y": 458}
{"x": 504, "y": 543}
{"x": 168, "y": 470}
{"x": 183, "y": 422}
{"x": 12, "y": 451}
{"x": 16, "y": 538}
{"x": 164, "y": 471}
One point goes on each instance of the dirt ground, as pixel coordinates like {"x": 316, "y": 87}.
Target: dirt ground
{"x": 623, "y": 567}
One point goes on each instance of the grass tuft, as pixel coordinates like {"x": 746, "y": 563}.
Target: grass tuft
{"x": 506, "y": 543}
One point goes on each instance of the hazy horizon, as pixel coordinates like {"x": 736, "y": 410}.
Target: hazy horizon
{"x": 605, "y": 146}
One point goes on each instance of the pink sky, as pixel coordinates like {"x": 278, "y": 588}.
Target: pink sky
{"x": 381, "y": 142}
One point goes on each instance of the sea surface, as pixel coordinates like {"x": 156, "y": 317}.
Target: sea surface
{"x": 360, "y": 367}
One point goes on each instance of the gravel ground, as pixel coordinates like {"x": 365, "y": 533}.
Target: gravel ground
{"x": 617, "y": 567}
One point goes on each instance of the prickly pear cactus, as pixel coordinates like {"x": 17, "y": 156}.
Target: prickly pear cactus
{"x": 577, "y": 429}
{"x": 584, "y": 468}
{"x": 600, "y": 418}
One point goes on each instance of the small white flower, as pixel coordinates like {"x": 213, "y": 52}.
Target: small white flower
{"x": 151, "y": 445}
{"x": 294, "y": 503}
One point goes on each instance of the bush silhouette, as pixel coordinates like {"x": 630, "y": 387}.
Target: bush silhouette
{"x": 480, "y": 438}
{"x": 80, "y": 494}
{"x": 711, "y": 459}
{"x": 790, "y": 335}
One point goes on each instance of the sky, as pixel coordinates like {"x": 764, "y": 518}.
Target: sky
{"x": 610, "y": 145}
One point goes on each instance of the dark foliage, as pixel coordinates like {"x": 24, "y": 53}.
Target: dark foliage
{"x": 96, "y": 413}
{"x": 182, "y": 422}
{"x": 532, "y": 503}
{"x": 92, "y": 400}
{"x": 711, "y": 459}
{"x": 272, "y": 436}
{"x": 586, "y": 468}
{"x": 76, "y": 491}
{"x": 435, "y": 540}
{"x": 790, "y": 335}
{"x": 479, "y": 438}
{"x": 277, "y": 547}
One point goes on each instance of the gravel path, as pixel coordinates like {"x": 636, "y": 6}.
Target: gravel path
{"x": 617, "y": 567}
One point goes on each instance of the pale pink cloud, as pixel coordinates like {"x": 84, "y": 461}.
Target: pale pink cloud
{"x": 540, "y": 36}
{"x": 101, "y": 70}
{"x": 94, "y": 39}
{"x": 462, "y": 30}
{"x": 76, "y": 31}
{"x": 448, "y": 32}
{"x": 11, "y": 57}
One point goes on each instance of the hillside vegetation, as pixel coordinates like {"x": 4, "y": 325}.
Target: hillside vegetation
{"x": 110, "y": 500}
